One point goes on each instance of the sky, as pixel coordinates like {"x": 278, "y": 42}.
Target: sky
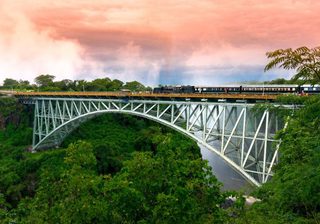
{"x": 200, "y": 42}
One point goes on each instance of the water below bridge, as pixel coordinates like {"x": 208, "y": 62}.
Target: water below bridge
{"x": 225, "y": 174}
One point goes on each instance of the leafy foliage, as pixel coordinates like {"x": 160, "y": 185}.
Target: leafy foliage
{"x": 304, "y": 60}
{"x": 44, "y": 80}
{"x": 111, "y": 176}
{"x": 291, "y": 99}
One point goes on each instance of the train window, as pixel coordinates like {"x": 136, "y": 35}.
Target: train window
{"x": 314, "y": 88}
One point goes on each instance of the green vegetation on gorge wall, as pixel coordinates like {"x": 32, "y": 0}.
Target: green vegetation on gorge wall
{"x": 125, "y": 170}
{"x": 293, "y": 194}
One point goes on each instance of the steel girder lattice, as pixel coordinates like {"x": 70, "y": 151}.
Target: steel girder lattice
{"x": 242, "y": 138}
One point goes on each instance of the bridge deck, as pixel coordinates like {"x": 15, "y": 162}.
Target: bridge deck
{"x": 146, "y": 95}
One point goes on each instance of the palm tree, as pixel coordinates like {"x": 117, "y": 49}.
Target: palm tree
{"x": 304, "y": 60}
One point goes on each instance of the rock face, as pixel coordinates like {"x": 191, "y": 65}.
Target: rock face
{"x": 249, "y": 200}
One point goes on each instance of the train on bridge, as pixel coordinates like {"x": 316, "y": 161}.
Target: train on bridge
{"x": 241, "y": 89}
{"x": 223, "y": 93}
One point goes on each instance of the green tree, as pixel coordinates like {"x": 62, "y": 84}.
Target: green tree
{"x": 74, "y": 196}
{"x": 134, "y": 86}
{"x": 10, "y": 83}
{"x": 64, "y": 85}
{"x": 3, "y": 207}
{"x": 98, "y": 84}
{"x": 306, "y": 62}
{"x": 115, "y": 85}
{"x": 170, "y": 185}
{"x": 80, "y": 85}
{"x": 24, "y": 84}
{"x": 44, "y": 80}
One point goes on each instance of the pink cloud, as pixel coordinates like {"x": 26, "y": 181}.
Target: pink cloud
{"x": 130, "y": 38}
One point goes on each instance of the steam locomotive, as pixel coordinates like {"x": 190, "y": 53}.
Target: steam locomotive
{"x": 242, "y": 89}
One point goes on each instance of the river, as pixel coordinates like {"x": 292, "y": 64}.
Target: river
{"x": 225, "y": 174}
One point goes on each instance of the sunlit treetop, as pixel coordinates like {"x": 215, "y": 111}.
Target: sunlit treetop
{"x": 306, "y": 62}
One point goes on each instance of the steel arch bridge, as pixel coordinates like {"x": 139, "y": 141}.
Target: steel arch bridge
{"x": 244, "y": 139}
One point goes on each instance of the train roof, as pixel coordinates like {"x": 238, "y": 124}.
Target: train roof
{"x": 230, "y": 85}
{"x": 272, "y": 86}
{"x": 252, "y": 86}
{"x": 309, "y": 85}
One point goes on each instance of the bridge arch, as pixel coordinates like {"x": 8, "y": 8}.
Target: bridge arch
{"x": 231, "y": 131}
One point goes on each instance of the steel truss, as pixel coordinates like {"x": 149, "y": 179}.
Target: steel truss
{"x": 242, "y": 138}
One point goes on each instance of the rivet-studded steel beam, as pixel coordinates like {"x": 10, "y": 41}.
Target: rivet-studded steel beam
{"x": 242, "y": 138}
